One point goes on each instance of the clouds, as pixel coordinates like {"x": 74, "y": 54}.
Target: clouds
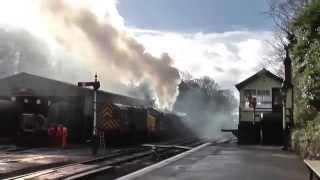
{"x": 227, "y": 57}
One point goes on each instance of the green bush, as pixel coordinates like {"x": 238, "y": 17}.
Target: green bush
{"x": 305, "y": 53}
{"x": 306, "y": 140}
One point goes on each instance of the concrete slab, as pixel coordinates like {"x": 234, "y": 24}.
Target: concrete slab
{"x": 233, "y": 162}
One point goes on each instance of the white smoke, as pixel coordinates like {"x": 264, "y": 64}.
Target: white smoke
{"x": 84, "y": 37}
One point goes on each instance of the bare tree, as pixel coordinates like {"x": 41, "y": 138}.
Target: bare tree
{"x": 185, "y": 76}
{"x": 282, "y": 12}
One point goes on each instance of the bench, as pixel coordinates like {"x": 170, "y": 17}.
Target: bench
{"x": 314, "y": 168}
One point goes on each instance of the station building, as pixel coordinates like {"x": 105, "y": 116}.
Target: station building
{"x": 262, "y": 116}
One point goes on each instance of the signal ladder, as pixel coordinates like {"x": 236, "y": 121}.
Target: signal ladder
{"x": 102, "y": 141}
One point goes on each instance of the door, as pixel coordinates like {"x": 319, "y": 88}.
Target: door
{"x": 276, "y": 100}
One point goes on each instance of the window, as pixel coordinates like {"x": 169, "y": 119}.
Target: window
{"x": 263, "y": 97}
{"x": 248, "y": 93}
{"x": 38, "y": 101}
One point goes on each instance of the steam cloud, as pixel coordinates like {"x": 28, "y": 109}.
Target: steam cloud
{"x": 21, "y": 52}
{"x": 110, "y": 51}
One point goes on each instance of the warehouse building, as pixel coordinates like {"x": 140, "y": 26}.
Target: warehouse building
{"x": 67, "y": 103}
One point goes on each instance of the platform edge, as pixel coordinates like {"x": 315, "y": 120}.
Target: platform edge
{"x": 160, "y": 164}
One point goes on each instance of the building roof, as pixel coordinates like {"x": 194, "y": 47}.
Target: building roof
{"x": 30, "y": 79}
{"x": 262, "y": 72}
{"x": 27, "y": 76}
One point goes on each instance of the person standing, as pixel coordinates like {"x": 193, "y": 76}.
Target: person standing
{"x": 64, "y": 137}
{"x": 59, "y": 136}
{"x": 51, "y": 134}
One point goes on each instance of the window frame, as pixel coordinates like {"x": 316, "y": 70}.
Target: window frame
{"x": 263, "y": 97}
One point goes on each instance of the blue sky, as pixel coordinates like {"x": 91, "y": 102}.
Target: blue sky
{"x": 196, "y": 15}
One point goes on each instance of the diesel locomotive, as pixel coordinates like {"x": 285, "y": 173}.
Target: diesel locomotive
{"x": 131, "y": 124}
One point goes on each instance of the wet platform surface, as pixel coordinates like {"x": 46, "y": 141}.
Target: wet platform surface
{"x": 233, "y": 162}
{"x": 14, "y": 161}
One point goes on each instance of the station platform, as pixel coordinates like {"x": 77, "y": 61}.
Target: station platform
{"x": 230, "y": 162}
{"x": 16, "y": 160}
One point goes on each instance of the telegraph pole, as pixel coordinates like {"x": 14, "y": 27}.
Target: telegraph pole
{"x": 287, "y": 92}
{"x": 96, "y": 86}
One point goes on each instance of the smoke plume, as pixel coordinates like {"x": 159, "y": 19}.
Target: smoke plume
{"x": 21, "y": 52}
{"x": 208, "y": 108}
{"x": 109, "y": 50}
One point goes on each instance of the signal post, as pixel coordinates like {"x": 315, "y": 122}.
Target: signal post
{"x": 96, "y": 85}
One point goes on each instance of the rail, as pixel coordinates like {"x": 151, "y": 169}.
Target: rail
{"x": 155, "y": 146}
{"x": 101, "y": 164}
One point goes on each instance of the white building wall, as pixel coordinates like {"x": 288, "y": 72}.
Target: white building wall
{"x": 262, "y": 83}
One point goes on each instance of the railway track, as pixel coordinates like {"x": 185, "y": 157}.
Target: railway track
{"x": 10, "y": 149}
{"x": 81, "y": 170}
